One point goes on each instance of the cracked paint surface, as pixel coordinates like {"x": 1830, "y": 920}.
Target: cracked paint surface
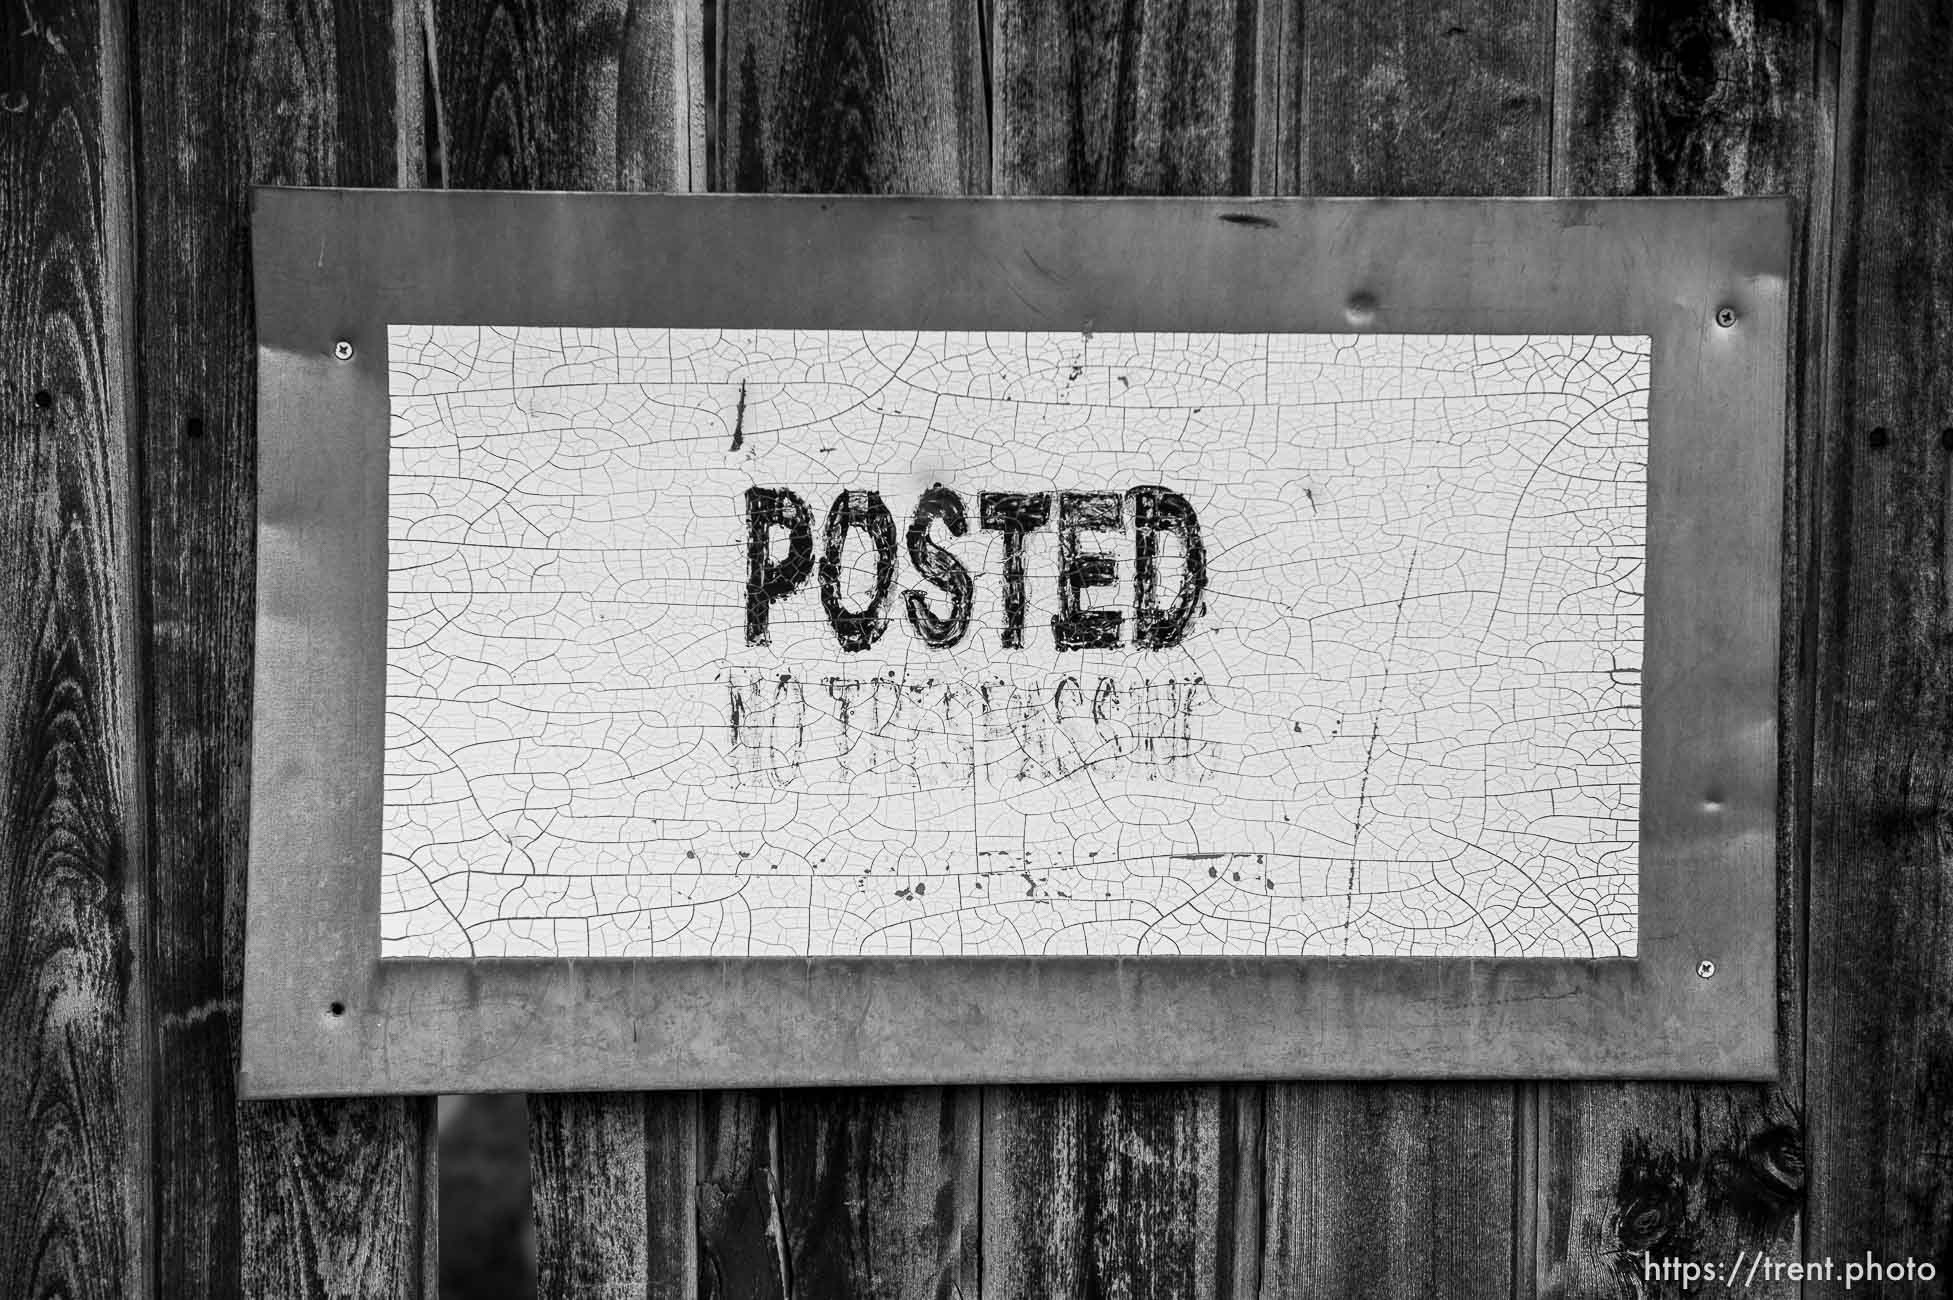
{"x": 1404, "y": 719}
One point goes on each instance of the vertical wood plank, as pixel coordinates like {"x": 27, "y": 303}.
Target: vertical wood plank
{"x": 337, "y": 1199}
{"x": 870, "y": 1192}
{"x": 591, "y": 95}
{"x": 613, "y": 1192}
{"x": 1720, "y": 97}
{"x": 73, "y": 1027}
{"x": 1280, "y": 107}
{"x": 1668, "y": 1171}
{"x": 1438, "y": 97}
{"x": 879, "y": 1189}
{"x": 1387, "y": 1190}
{"x": 671, "y": 1180}
{"x": 592, "y": 1206}
{"x": 1116, "y": 1190}
{"x": 1394, "y": 97}
{"x": 851, "y": 97}
{"x": 1710, "y": 97}
{"x": 742, "y": 1238}
{"x": 1154, "y": 97}
{"x": 325, "y": 1198}
{"x": 1879, "y": 1069}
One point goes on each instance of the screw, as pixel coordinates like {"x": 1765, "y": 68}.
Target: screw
{"x": 1706, "y": 969}
{"x": 343, "y": 350}
{"x": 1725, "y": 316}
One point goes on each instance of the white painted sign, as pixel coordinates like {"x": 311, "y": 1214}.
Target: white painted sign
{"x": 769, "y": 642}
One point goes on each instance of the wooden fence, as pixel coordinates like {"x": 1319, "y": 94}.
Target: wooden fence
{"x": 129, "y": 133}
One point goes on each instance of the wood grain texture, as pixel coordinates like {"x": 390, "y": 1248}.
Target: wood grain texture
{"x": 1389, "y": 1190}
{"x": 1705, "y": 97}
{"x": 1122, "y": 1190}
{"x": 1879, "y": 1066}
{"x": 1280, "y": 109}
{"x": 614, "y": 1188}
{"x": 1150, "y": 97}
{"x": 596, "y": 95}
{"x": 1721, "y": 97}
{"x": 851, "y": 97}
{"x": 591, "y": 95}
{"x": 868, "y": 1192}
{"x": 878, "y": 1192}
{"x": 1669, "y": 1171}
{"x": 73, "y": 1030}
{"x": 671, "y": 1143}
{"x": 1440, "y": 97}
{"x": 315, "y": 1199}
{"x": 742, "y": 1241}
{"x": 337, "y": 1200}
{"x": 1374, "y": 97}
{"x": 593, "y": 1218}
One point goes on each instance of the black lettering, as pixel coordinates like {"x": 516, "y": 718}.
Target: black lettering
{"x": 1105, "y": 700}
{"x": 858, "y": 629}
{"x": 1156, "y": 510}
{"x": 1013, "y": 514}
{"x": 766, "y": 580}
{"x": 1075, "y": 627}
{"x": 934, "y": 563}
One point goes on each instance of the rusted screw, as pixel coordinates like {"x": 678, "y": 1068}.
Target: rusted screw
{"x": 343, "y": 350}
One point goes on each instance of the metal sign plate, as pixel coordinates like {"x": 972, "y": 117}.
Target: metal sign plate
{"x": 740, "y": 641}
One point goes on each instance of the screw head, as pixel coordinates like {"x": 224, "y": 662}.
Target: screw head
{"x": 1726, "y": 316}
{"x": 1706, "y": 969}
{"x": 343, "y": 350}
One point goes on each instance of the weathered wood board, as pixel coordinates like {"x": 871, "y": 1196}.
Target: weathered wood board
{"x": 1724, "y": 99}
{"x": 1383, "y": 105}
{"x": 1878, "y": 1039}
{"x": 1104, "y": 99}
{"x": 75, "y": 1033}
{"x": 583, "y": 97}
{"x": 307, "y": 1198}
{"x": 851, "y": 98}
